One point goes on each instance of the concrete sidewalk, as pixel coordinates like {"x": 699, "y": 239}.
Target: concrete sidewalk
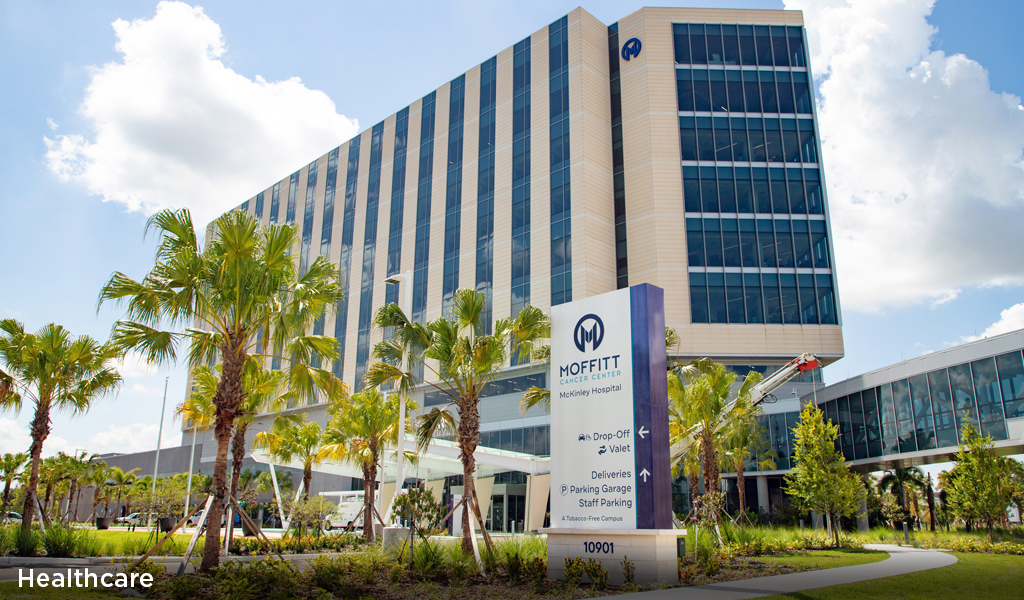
{"x": 901, "y": 560}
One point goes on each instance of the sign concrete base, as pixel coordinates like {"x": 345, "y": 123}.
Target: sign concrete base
{"x": 652, "y": 552}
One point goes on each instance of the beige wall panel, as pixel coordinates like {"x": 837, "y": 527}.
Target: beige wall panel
{"x": 540, "y": 171}
{"x": 502, "y": 274}
{"x": 593, "y": 241}
{"x": 437, "y": 199}
{"x": 784, "y": 341}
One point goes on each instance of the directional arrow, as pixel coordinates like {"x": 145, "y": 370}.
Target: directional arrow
{"x": 642, "y": 432}
{"x": 645, "y": 474}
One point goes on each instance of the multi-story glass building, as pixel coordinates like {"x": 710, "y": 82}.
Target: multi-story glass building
{"x": 676, "y": 147}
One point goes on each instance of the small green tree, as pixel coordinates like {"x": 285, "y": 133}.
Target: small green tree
{"x": 977, "y": 492}
{"x": 821, "y": 481}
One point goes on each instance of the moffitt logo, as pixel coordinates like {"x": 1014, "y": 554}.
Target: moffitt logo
{"x": 630, "y": 49}
{"x": 582, "y": 336}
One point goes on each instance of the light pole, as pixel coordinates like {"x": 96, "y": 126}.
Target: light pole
{"x": 156, "y": 463}
{"x": 400, "y": 465}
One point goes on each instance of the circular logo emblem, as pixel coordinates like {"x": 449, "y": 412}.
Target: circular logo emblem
{"x": 589, "y": 330}
{"x": 630, "y": 49}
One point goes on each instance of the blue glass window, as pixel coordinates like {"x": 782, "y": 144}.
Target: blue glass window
{"x": 716, "y": 298}
{"x": 942, "y": 409}
{"x": 922, "y": 405}
{"x": 348, "y": 225}
{"x": 485, "y": 189}
{"x": 421, "y": 254}
{"x": 990, "y": 405}
{"x": 275, "y": 203}
{"x": 369, "y": 254}
{"x": 1011, "y": 379}
{"x": 259, "y": 207}
{"x": 698, "y": 298}
{"x": 521, "y": 217}
{"x": 293, "y": 189}
{"x": 561, "y": 205}
{"x": 964, "y": 408}
{"x": 307, "y": 217}
{"x": 453, "y": 193}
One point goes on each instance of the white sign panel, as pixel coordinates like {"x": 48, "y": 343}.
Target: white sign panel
{"x": 593, "y": 479}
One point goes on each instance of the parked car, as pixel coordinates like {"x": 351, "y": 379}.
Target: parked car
{"x": 133, "y": 519}
{"x": 349, "y": 512}
{"x": 11, "y": 518}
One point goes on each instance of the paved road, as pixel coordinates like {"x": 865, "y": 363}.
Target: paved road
{"x": 901, "y": 560}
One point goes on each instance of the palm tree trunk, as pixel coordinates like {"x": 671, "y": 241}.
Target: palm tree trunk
{"x": 237, "y": 455}
{"x": 229, "y": 396}
{"x": 40, "y": 429}
{"x": 307, "y": 477}
{"x": 709, "y": 457}
{"x": 369, "y": 497}
{"x": 930, "y": 495}
{"x": 7, "y": 495}
{"x": 468, "y": 438}
{"x": 71, "y": 494}
{"x": 741, "y": 486}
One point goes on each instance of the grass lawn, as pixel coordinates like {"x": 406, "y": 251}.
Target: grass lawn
{"x": 988, "y": 576}
{"x": 136, "y": 543}
{"x": 825, "y": 559}
{"x": 11, "y": 591}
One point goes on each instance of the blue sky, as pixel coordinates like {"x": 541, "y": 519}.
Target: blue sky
{"x": 922, "y": 133}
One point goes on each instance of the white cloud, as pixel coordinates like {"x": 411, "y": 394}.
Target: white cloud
{"x": 174, "y": 127}
{"x": 923, "y": 160}
{"x": 1010, "y": 319}
{"x": 136, "y": 437}
{"x": 53, "y": 125}
{"x": 15, "y": 438}
{"x": 134, "y": 365}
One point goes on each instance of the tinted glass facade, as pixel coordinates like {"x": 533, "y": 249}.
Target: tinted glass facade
{"x": 521, "y": 176}
{"x": 927, "y": 411}
{"x": 369, "y": 255}
{"x": 561, "y": 196}
{"x": 757, "y": 237}
{"x": 485, "y": 189}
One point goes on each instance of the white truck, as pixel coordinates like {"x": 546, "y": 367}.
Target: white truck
{"x": 349, "y": 513}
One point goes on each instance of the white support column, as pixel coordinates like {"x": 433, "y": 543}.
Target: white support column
{"x": 762, "y": 493}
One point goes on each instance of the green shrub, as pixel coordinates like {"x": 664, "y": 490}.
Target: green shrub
{"x": 597, "y": 573}
{"x": 575, "y": 568}
{"x": 536, "y": 569}
{"x": 267, "y": 579}
{"x": 628, "y": 570}
{"x": 88, "y": 545}
{"x": 109, "y": 548}
{"x": 331, "y": 573}
{"x": 132, "y": 545}
{"x": 186, "y": 587}
{"x": 6, "y": 540}
{"x": 26, "y": 543}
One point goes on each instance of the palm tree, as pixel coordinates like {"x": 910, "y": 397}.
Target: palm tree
{"x": 462, "y": 360}
{"x": 897, "y": 480}
{"x": 10, "y": 466}
{"x": 265, "y": 390}
{"x": 77, "y": 467}
{"x": 706, "y": 407}
{"x": 54, "y": 371}
{"x": 240, "y": 296}
{"x": 96, "y": 477}
{"x": 686, "y": 457}
{"x": 121, "y": 480}
{"x": 358, "y": 433}
{"x": 745, "y": 439}
{"x": 295, "y": 439}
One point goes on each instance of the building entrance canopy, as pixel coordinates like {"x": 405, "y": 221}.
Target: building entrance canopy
{"x": 441, "y": 459}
